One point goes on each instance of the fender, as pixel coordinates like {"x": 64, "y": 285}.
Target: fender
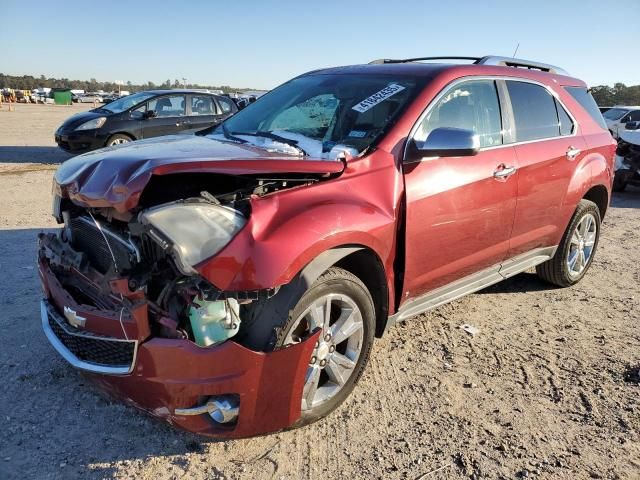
{"x": 288, "y": 230}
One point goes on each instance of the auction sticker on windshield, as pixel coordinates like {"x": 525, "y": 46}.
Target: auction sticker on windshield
{"x": 378, "y": 97}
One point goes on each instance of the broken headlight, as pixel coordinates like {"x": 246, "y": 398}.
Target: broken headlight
{"x": 196, "y": 230}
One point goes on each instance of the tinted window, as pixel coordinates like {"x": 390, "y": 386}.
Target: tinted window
{"x": 202, "y": 105}
{"x": 632, "y": 117}
{"x": 471, "y": 105}
{"x": 170, "y": 106}
{"x": 584, "y": 98}
{"x": 566, "y": 124}
{"x": 612, "y": 113}
{"x": 225, "y": 104}
{"x": 534, "y": 111}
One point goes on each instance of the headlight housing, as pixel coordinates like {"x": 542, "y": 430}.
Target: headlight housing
{"x": 197, "y": 230}
{"x": 92, "y": 124}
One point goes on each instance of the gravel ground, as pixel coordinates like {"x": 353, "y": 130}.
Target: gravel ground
{"x": 548, "y": 388}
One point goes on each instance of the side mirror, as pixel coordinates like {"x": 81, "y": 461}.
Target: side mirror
{"x": 447, "y": 142}
{"x": 149, "y": 114}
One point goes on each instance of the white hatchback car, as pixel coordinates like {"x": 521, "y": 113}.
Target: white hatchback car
{"x": 617, "y": 117}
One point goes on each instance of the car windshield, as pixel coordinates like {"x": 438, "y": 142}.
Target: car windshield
{"x": 125, "y": 103}
{"x": 614, "y": 113}
{"x": 323, "y": 115}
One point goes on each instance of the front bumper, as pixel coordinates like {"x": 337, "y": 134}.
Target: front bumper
{"x": 166, "y": 375}
{"x": 79, "y": 141}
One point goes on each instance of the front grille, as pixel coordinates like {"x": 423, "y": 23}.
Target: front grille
{"x": 87, "y": 238}
{"x": 87, "y": 350}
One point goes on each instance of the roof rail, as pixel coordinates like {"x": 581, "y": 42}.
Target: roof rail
{"x": 487, "y": 60}
{"x": 520, "y": 63}
{"x": 407, "y": 60}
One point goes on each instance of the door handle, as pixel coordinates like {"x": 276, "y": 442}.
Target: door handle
{"x": 572, "y": 153}
{"x": 503, "y": 172}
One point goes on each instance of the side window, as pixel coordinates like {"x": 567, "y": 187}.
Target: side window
{"x": 584, "y": 98}
{"x": 566, "y": 124}
{"x": 634, "y": 116}
{"x": 203, "y": 105}
{"x": 170, "y": 106}
{"x": 534, "y": 110}
{"x": 472, "y": 105}
{"x": 225, "y": 104}
{"x": 142, "y": 108}
{"x": 312, "y": 116}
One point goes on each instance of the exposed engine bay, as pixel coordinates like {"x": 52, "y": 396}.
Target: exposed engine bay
{"x": 180, "y": 221}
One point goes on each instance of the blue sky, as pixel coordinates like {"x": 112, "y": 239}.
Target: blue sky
{"x": 263, "y": 43}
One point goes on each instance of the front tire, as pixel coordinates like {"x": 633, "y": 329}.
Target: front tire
{"x": 577, "y": 248}
{"x": 341, "y": 306}
{"x": 117, "y": 139}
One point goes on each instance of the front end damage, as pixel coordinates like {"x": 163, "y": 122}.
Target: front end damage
{"x": 124, "y": 302}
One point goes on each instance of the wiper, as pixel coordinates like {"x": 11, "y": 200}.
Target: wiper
{"x": 273, "y": 136}
{"x": 103, "y": 110}
{"x": 229, "y": 136}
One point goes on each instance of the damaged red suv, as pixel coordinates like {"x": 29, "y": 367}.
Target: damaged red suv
{"x": 233, "y": 283}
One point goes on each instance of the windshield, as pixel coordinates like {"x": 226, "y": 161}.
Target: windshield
{"x": 125, "y": 103}
{"x": 614, "y": 113}
{"x": 323, "y": 115}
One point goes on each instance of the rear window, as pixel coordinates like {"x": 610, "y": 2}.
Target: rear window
{"x": 534, "y": 111}
{"x": 584, "y": 98}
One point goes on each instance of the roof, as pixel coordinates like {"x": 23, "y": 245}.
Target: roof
{"x": 421, "y": 69}
{"x": 178, "y": 90}
{"x": 629, "y": 107}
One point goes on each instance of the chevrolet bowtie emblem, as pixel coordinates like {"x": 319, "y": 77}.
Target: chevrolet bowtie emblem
{"x": 73, "y": 318}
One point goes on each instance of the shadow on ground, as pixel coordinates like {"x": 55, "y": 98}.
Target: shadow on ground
{"x": 26, "y": 154}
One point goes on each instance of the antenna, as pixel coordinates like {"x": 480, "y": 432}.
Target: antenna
{"x": 516, "y": 50}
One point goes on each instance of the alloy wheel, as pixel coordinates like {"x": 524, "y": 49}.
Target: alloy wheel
{"x": 338, "y": 349}
{"x": 581, "y": 246}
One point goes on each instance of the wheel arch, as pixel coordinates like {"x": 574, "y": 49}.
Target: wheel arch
{"x": 599, "y": 195}
{"x": 365, "y": 264}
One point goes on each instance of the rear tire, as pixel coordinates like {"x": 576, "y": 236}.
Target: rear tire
{"x": 345, "y": 343}
{"x": 577, "y": 248}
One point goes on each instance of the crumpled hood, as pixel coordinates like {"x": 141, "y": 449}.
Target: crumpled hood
{"x": 116, "y": 176}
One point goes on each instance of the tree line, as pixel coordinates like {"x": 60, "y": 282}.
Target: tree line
{"x": 604, "y": 95}
{"x": 619, "y": 94}
{"x": 29, "y": 82}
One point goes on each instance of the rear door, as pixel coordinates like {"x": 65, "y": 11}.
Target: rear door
{"x": 203, "y": 112}
{"x": 170, "y": 116}
{"x": 459, "y": 210}
{"x": 547, "y": 147}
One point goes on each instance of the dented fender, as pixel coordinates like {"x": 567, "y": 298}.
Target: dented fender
{"x": 289, "y": 229}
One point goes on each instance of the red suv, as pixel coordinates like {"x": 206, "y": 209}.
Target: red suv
{"x": 233, "y": 283}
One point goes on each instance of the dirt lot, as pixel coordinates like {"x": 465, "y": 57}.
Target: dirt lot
{"x": 548, "y": 388}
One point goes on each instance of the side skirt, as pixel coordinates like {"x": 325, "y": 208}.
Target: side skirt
{"x": 472, "y": 283}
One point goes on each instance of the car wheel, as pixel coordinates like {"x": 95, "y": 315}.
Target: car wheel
{"x": 341, "y": 306}
{"x": 577, "y": 248}
{"x": 117, "y": 139}
{"x": 618, "y": 184}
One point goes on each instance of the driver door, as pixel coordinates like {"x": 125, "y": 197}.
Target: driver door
{"x": 459, "y": 210}
{"x": 170, "y": 116}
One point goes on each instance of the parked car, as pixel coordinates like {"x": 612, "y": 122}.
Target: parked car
{"x": 627, "y": 167}
{"x": 233, "y": 283}
{"x": 142, "y": 115}
{"x": 617, "y": 117}
{"x": 87, "y": 98}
